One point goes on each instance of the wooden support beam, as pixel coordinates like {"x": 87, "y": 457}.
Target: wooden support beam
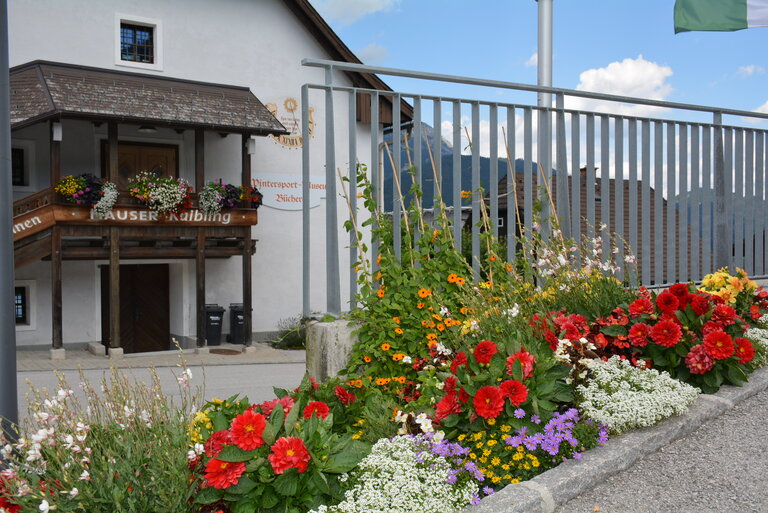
{"x": 114, "y": 288}
{"x": 246, "y": 157}
{"x": 112, "y": 173}
{"x": 199, "y": 159}
{"x": 55, "y": 158}
{"x": 200, "y": 299}
{"x": 247, "y": 286}
{"x": 56, "y": 276}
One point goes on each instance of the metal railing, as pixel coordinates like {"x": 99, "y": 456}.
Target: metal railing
{"x": 685, "y": 196}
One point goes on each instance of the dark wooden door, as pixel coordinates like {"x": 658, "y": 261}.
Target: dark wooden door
{"x": 133, "y": 158}
{"x": 144, "y": 308}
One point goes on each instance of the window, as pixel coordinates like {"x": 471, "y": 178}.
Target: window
{"x": 21, "y": 305}
{"x": 18, "y": 169}
{"x": 137, "y": 43}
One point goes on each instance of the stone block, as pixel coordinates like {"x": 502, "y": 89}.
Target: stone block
{"x": 328, "y": 347}
{"x": 97, "y": 348}
{"x": 116, "y": 353}
{"x": 58, "y": 354}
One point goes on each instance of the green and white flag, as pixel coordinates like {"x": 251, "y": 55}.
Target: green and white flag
{"x": 720, "y": 14}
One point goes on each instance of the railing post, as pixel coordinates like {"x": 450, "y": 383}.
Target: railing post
{"x": 305, "y": 200}
{"x": 563, "y": 203}
{"x": 333, "y": 287}
{"x": 723, "y": 248}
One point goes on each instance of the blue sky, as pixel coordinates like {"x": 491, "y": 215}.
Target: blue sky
{"x": 616, "y": 46}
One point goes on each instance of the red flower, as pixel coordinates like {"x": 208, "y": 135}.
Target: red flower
{"x": 571, "y": 331}
{"x": 267, "y": 407}
{"x": 744, "y": 350}
{"x": 246, "y": 430}
{"x": 515, "y": 391}
{"x": 711, "y": 327}
{"x": 681, "y": 292}
{"x": 317, "y": 408}
{"x": 724, "y": 314}
{"x": 463, "y": 395}
{"x": 667, "y": 302}
{"x": 488, "y": 402}
{"x": 526, "y": 361}
{"x": 450, "y": 384}
{"x": 551, "y": 339}
{"x": 719, "y": 345}
{"x": 287, "y": 403}
{"x": 485, "y": 351}
{"x": 699, "y": 304}
{"x": 447, "y": 406}
{"x": 461, "y": 359}
{"x": 345, "y": 396}
{"x": 217, "y": 441}
{"x": 223, "y": 474}
{"x": 698, "y": 361}
{"x": 289, "y": 452}
{"x": 639, "y": 307}
{"x": 666, "y": 333}
{"x": 754, "y": 312}
{"x": 638, "y": 334}
{"x": 601, "y": 340}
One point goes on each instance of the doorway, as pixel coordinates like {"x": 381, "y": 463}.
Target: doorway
{"x": 144, "y": 308}
{"x": 133, "y": 158}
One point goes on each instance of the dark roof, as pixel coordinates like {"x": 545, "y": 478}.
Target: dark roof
{"x": 338, "y": 51}
{"x": 41, "y": 90}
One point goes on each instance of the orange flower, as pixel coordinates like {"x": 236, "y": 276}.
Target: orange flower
{"x": 357, "y": 383}
{"x": 452, "y": 277}
{"x": 441, "y": 327}
{"x": 398, "y": 356}
{"x": 432, "y": 343}
{"x": 382, "y": 381}
{"x": 509, "y": 268}
{"x": 466, "y": 194}
{"x": 459, "y": 281}
{"x": 378, "y": 259}
{"x": 431, "y": 336}
{"x": 385, "y": 346}
{"x": 396, "y": 319}
{"x": 425, "y": 293}
{"x": 437, "y": 317}
{"x": 420, "y": 306}
{"x": 399, "y": 331}
{"x": 380, "y": 292}
{"x": 377, "y": 277}
{"x": 367, "y": 359}
{"x": 493, "y": 258}
{"x": 400, "y": 379}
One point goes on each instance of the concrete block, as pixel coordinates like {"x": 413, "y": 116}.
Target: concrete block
{"x": 97, "y": 349}
{"x": 58, "y": 354}
{"x": 328, "y": 347}
{"x": 116, "y": 353}
{"x": 203, "y": 350}
{"x": 250, "y": 349}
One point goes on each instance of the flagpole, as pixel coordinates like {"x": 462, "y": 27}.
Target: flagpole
{"x": 545, "y": 51}
{"x": 544, "y": 146}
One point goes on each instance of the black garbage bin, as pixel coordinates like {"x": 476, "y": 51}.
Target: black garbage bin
{"x": 236, "y": 324}
{"x": 214, "y": 317}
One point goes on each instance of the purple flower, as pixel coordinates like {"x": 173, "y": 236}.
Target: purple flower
{"x": 475, "y": 500}
{"x": 535, "y": 419}
{"x": 488, "y": 490}
{"x": 577, "y": 455}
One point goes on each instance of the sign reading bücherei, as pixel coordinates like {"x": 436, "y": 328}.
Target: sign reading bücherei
{"x": 284, "y": 191}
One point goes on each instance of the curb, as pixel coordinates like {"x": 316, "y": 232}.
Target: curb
{"x": 553, "y": 488}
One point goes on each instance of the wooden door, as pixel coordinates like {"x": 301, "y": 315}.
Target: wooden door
{"x": 132, "y": 158}
{"x": 144, "y": 308}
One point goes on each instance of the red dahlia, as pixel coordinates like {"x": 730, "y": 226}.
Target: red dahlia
{"x": 447, "y": 406}
{"x": 711, "y": 327}
{"x": 639, "y": 307}
{"x": 223, "y": 474}
{"x": 666, "y": 333}
{"x": 515, "y": 391}
{"x": 458, "y": 361}
{"x": 667, "y": 302}
{"x": 724, "y": 314}
{"x": 345, "y": 396}
{"x": 289, "y": 452}
{"x": 719, "y": 345}
{"x": 488, "y": 402}
{"x": 638, "y": 334}
{"x": 699, "y": 304}
{"x": 246, "y": 430}
{"x": 698, "y": 361}
{"x": 317, "y": 408}
{"x": 526, "y": 361}
{"x": 217, "y": 441}
{"x": 744, "y": 350}
{"x": 485, "y": 351}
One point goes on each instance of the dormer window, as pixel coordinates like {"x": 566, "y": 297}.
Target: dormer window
{"x": 138, "y": 42}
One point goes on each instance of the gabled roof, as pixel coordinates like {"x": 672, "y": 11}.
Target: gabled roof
{"x": 338, "y": 51}
{"x": 42, "y": 90}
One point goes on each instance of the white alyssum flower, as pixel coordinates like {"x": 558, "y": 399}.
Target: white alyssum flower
{"x": 399, "y": 476}
{"x": 625, "y": 397}
{"x": 44, "y": 506}
{"x": 108, "y": 199}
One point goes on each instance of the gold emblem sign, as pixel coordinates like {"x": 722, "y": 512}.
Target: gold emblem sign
{"x": 291, "y": 122}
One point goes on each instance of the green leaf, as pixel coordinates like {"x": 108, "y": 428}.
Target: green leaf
{"x": 220, "y": 421}
{"x": 243, "y": 486}
{"x": 287, "y": 484}
{"x": 348, "y": 458}
{"x": 254, "y": 464}
{"x": 292, "y": 417}
{"x": 735, "y": 376}
{"x": 320, "y": 482}
{"x": 450, "y": 421}
{"x": 232, "y": 453}
{"x": 615, "y": 330}
{"x": 269, "y": 499}
{"x": 208, "y": 496}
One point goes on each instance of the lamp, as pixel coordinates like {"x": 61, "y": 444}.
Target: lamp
{"x": 56, "y": 132}
{"x": 147, "y": 129}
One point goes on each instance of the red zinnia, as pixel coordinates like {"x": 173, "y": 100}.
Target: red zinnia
{"x": 667, "y": 302}
{"x": 289, "y": 452}
{"x": 485, "y": 351}
{"x": 681, "y": 292}
{"x": 638, "y": 334}
{"x": 666, "y": 333}
{"x": 488, "y": 402}
{"x": 724, "y": 314}
{"x": 698, "y": 361}
{"x": 744, "y": 350}
{"x": 526, "y": 361}
{"x": 699, "y": 304}
{"x": 639, "y": 307}
{"x": 318, "y": 408}
{"x": 447, "y": 406}
{"x": 246, "y": 430}
{"x": 345, "y": 396}
{"x": 223, "y": 474}
{"x": 719, "y": 345}
{"x": 515, "y": 391}
{"x": 217, "y": 441}
{"x": 711, "y": 327}
{"x": 461, "y": 359}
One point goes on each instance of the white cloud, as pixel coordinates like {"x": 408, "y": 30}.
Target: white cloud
{"x": 762, "y": 108}
{"x": 373, "y": 54}
{"x": 349, "y": 11}
{"x": 631, "y": 77}
{"x": 532, "y": 61}
{"x": 748, "y": 71}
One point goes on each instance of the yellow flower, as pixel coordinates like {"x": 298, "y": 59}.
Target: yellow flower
{"x": 491, "y": 443}
{"x": 515, "y": 480}
{"x": 479, "y": 445}
{"x": 462, "y": 437}
{"x": 491, "y": 422}
{"x": 495, "y": 461}
{"x": 505, "y": 428}
{"x": 483, "y": 460}
{"x": 496, "y": 479}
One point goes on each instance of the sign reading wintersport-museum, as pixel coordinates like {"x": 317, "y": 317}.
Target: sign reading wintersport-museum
{"x": 284, "y": 191}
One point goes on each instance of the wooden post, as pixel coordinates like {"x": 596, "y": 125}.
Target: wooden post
{"x": 247, "y": 286}
{"x": 114, "y": 287}
{"x": 56, "y": 275}
{"x": 199, "y": 159}
{"x": 55, "y": 158}
{"x": 246, "y": 168}
{"x": 200, "y": 301}
{"x": 112, "y": 146}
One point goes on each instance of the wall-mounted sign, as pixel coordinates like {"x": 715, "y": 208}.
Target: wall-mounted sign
{"x": 284, "y": 191}
{"x": 289, "y": 115}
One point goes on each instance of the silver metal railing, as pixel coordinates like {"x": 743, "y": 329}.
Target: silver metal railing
{"x": 686, "y": 195}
